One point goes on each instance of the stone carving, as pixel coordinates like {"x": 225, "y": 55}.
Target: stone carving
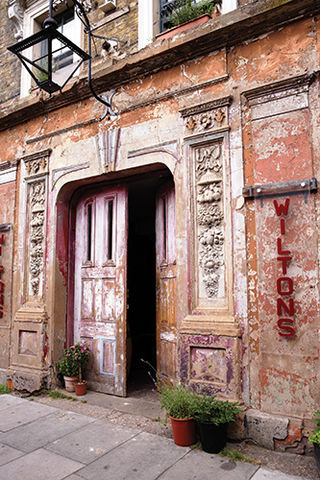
{"x": 37, "y": 226}
{"x": 210, "y": 218}
{"x": 15, "y": 13}
{"x": 191, "y": 123}
{"x": 205, "y": 121}
{"x": 34, "y": 166}
{"x": 219, "y": 116}
{"x": 37, "y": 163}
{"x": 208, "y": 160}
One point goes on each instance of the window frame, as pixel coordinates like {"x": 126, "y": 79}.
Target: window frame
{"x": 149, "y": 19}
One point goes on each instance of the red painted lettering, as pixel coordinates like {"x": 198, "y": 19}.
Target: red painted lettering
{"x": 281, "y": 288}
{"x": 284, "y": 261}
{"x": 284, "y": 308}
{"x": 1, "y": 269}
{"x": 282, "y": 226}
{"x": 1, "y": 300}
{"x": 286, "y": 330}
{"x": 279, "y": 248}
{"x": 1, "y": 286}
{"x": 281, "y": 208}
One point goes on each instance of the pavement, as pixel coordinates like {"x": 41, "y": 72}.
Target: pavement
{"x": 44, "y": 442}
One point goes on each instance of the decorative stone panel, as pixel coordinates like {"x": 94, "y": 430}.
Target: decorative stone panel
{"x": 210, "y": 364}
{"x": 206, "y": 130}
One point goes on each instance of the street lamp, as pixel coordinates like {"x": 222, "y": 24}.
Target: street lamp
{"x": 43, "y": 54}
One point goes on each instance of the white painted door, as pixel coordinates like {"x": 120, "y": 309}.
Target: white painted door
{"x": 100, "y": 286}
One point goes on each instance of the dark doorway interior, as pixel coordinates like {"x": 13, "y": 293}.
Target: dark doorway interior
{"x": 141, "y": 281}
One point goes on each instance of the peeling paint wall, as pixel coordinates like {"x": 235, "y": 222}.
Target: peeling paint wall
{"x": 235, "y": 117}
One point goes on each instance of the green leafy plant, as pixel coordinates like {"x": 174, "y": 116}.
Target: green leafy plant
{"x": 178, "y": 401}
{"x": 315, "y": 438}
{"x": 74, "y": 361}
{"x": 4, "y": 389}
{"x": 208, "y": 409}
{"x": 185, "y": 10}
{"x": 237, "y": 456}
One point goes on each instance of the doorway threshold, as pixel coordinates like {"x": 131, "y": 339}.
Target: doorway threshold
{"x": 139, "y": 403}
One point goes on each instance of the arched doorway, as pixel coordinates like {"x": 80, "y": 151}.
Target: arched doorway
{"x": 123, "y": 285}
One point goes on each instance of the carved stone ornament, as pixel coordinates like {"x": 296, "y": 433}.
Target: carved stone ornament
{"x": 219, "y": 116}
{"x": 210, "y": 217}
{"x": 37, "y": 202}
{"x": 191, "y": 124}
{"x": 206, "y": 120}
{"x": 198, "y": 121}
{"x": 15, "y": 14}
{"x": 208, "y": 160}
{"x": 37, "y": 163}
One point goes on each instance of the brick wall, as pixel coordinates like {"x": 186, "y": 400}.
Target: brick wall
{"x": 9, "y": 66}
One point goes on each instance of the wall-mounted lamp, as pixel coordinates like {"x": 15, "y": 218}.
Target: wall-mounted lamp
{"x": 44, "y": 54}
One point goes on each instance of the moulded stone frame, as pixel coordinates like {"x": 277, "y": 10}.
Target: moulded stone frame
{"x": 215, "y": 310}
{"x": 232, "y": 388}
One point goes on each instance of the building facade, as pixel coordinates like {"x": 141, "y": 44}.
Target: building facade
{"x": 185, "y": 226}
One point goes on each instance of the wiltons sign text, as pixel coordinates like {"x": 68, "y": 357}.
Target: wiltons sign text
{"x": 285, "y": 287}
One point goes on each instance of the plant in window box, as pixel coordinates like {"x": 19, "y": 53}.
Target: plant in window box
{"x": 73, "y": 365}
{"x": 213, "y": 417}
{"x": 186, "y": 10}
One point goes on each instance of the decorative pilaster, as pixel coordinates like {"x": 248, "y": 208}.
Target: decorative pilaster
{"x": 206, "y": 134}
{"x": 30, "y": 337}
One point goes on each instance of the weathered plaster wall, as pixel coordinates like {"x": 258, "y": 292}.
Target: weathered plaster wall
{"x": 266, "y": 125}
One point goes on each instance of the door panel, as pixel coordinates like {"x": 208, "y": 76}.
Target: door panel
{"x": 100, "y": 286}
{"x": 166, "y": 282}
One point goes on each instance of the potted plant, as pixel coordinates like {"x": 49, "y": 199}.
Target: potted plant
{"x": 189, "y": 13}
{"x": 81, "y": 353}
{"x": 315, "y": 440}
{"x": 213, "y": 417}
{"x": 68, "y": 367}
{"x": 179, "y": 404}
{"x": 72, "y": 366}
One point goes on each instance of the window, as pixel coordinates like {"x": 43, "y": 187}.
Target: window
{"x": 68, "y": 24}
{"x": 150, "y": 22}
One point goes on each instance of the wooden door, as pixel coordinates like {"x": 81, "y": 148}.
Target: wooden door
{"x": 100, "y": 286}
{"x": 166, "y": 282}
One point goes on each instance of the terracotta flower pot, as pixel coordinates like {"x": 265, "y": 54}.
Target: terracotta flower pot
{"x": 68, "y": 383}
{"x": 80, "y": 387}
{"x": 184, "y": 431}
{"x": 10, "y": 384}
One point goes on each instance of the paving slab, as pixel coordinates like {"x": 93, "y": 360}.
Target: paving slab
{"x": 22, "y": 413}
{"x": 39, "y": 465}
{"x": 92, "y": 441}
{"x": 150, "y": 406}
{"x": 144, "y": 457}
{"x": 7, "y": 400}
{"x": 44, "y": 430}
{"x": 264, "y": 474}
{"x": 8, "y": 453}
{"x": 199, "y": 465}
